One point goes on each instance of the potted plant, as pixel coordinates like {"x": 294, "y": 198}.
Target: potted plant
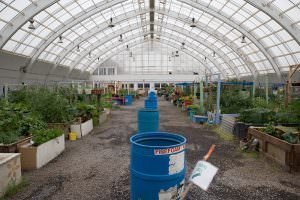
{"x": 46, "y": 145}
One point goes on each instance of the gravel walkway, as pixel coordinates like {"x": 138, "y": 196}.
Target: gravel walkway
{"x": 96, "y": 167}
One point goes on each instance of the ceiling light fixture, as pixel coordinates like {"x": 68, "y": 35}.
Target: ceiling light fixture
{"x": 177, "y": 54}
{"x": 90, "y": 55}
{"x": 60, "y": 41}
{"x": 243, "y": 39}
{"x": 78, "y": 49}
{"x": 193, "y": 24}
{"x": 111, "y": 25}
{"x": 214, "y": 54}
{"x": 127, "y": 47}
{"x": 121, "y": 38}
{"x": 182, "y": 45}
{"x": 31, "y": 25}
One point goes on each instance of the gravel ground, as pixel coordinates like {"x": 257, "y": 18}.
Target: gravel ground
{"x": 96, "y": 167}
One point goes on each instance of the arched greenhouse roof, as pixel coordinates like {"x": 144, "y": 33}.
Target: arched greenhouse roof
{"x": 233, "y": 37}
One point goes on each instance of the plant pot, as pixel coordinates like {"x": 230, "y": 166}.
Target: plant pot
{"x": 63, "y": 126}
{"x": 34, "y": 157}
{"x": 10, "y": 170}
{"x": 14, "y": 147}
{"x": 82, "y": 129}
{"x": 282, "y": 152}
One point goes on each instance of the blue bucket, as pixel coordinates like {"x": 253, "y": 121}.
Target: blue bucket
{"x": 157, "y": 166}
{"x": 148, "y": 120}
{"x": 128, "y": 100}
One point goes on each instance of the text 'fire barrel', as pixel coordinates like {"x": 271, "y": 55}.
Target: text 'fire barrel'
{"x": 157, "y": 166}
{"x": 148, "y": 120}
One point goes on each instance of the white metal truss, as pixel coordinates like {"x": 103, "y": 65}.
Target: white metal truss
{"x": 178, "y": 30}
{"x": 72, "y": 23}
{"x": 99, "y": 43}
{"x": 168, "y": 43}
{"x": 275, "y": 14}
{"x": 216, "y": 34}
{"x": 223, "y": 18}
{"x": 69, "y": 24}
{"x": 22, "y": 18}
{"x": 176, "y": 45}
{"x": 263, "y": 5}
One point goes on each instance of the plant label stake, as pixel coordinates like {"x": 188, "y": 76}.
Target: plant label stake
{"x": 202, "y": 174}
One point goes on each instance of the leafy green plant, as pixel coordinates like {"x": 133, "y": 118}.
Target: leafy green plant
{"x": 85, "y": 111}
{"x": 43, "y": 136}
{"x": 271, "y": 130}
{"x": 50, "y": 106}
{"x": 257, "y": 115}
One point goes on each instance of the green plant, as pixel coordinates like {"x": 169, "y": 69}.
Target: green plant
{"x": 49, "y": 105}
{"x": 85, "y": 111}
{"x": 43, "y": 136}
{"x": 13, "y": 189}
{"x": 257, "y": 115}
{"x": 271, "y": 130}
{"x": 291, "y": 138}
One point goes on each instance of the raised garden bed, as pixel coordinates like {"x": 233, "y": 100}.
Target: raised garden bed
{"x": 103, "y": 117}
{"x": 82, "y": 129}
{"x": 14, "y": 147}
{"x": 34, "y": 157}
{"x": 284, "y": 153}
{"x": 10, "y": 171}
{"x": 199, "y": 119}
{"x": 65, "y": 127}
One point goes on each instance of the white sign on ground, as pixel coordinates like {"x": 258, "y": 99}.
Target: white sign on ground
{"x": 203, "y": 174}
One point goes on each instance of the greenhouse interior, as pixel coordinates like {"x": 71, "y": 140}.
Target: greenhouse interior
{"x": 149, "y": 99}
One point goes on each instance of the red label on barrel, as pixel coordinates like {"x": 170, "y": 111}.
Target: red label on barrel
{"x": 169, "y": 150}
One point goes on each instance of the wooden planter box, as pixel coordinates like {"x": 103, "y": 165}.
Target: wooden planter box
{"x": 279, "y": 150}
{"x": 82, "y": 129}
{"x": 13, "y": 147}
{"x": 65, "y": 127}
{"x": 10, "y": 171}
{"x": 34, "y": 157}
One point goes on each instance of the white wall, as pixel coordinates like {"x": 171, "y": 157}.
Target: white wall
{"x": 10, "y": 70}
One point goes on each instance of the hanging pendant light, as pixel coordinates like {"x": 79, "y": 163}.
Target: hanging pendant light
{"x": 111, "y": 25}
{"x": 98, "y": 59}
{"x": 60, "y": 41}
{"x": 243, "y": 39}
{"x": 214, "y": 54}
{"x": 193, "y": 24}
{"x": 121, "y": 38}
{"x": 31, "y": 25}
{"x": 177, "y": 54}
{"x": 205, "y": 59}
{"x": 182, "y": 45}
{"x": 78, "y": 49}
{"x": 90, "y": 55}
{"x": 127, "y": 47}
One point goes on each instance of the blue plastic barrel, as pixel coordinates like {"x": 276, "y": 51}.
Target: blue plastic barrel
{"x": 157, "y": 166}
{"x": 148, "y": 120}
{"x": 128, "y": 100}
{"x": 150, "y": 104}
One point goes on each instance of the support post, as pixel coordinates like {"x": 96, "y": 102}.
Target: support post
{"x": 253, "y": 90}
{"x": 6, "y": 91}
{"x": 267, "y": 89}
{"x": 195, "y": 93}
{"x": 218, "y": 100}
{"x": 201, "y": 97}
